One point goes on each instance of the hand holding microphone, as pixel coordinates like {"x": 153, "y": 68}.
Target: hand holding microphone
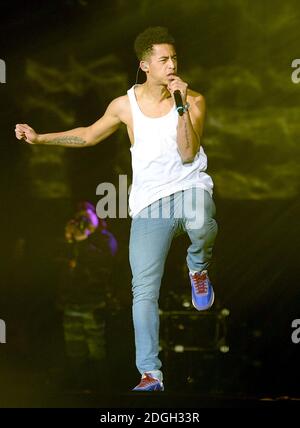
{"x": 179, "y": 90}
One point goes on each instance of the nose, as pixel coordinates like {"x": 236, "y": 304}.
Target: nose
{"x": 171, "y": 63}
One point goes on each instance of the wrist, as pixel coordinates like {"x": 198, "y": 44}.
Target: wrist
{"x": 186, "y": 107}
{"x": 183, "y": 109}
{"x": 39, "y": 139}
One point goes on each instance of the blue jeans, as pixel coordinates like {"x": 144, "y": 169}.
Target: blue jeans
{"x": 190, "y": 211}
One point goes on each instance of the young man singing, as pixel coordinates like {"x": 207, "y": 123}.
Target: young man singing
{"x": 171, "y": 192}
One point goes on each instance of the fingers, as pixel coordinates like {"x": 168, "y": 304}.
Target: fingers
{"x": 21, "y": 129}
{"x": 20, "y": 135}
{"x": 177, "y": 84}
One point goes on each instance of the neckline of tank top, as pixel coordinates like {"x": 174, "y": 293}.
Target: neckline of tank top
{"x": 149, "y": 117}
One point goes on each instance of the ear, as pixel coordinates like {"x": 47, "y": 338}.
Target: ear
{"x": 144, "y": 66}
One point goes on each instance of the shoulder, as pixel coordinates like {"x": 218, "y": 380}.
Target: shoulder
{"x": 119, "y": 106}
{"x": 197, "y": 103}
{"x": 195, "y": 98}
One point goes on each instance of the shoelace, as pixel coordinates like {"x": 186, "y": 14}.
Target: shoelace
{"x": 200, "y": 283}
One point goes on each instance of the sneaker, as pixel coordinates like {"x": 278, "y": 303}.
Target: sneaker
{"x": 202, "y": 291}
{"x": 149, "y": 383}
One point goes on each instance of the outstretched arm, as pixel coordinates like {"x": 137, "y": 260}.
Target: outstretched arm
{"x": 78, "y": 137}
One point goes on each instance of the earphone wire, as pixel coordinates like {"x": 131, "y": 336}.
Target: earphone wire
{"x": 137, "y": 76}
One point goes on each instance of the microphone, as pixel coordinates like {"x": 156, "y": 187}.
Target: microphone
{"x": 178, "y": 102}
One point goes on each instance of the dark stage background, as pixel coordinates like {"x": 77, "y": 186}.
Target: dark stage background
{"x": 65, "y": 61}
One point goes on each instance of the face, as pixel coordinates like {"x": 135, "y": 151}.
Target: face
{"x": 161, "y": 64}
{"x": 73, "y": 232}
{"x": 82, "y": 226}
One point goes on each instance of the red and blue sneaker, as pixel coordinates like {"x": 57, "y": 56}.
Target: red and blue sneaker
{"x": 149, "y": 383}
{"x": 202, "y": 291}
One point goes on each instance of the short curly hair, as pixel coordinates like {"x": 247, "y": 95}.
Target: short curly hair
{"x": 144, "y": 42}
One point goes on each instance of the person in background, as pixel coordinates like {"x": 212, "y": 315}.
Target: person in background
{"x": 86, "y": 293}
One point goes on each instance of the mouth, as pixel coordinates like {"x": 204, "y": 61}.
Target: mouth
{"x": 171, "y": 76}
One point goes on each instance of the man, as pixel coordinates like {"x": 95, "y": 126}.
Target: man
{"x": 168, "y": 164}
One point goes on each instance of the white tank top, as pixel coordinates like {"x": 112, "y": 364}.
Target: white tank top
{"x": 157, "y": 169}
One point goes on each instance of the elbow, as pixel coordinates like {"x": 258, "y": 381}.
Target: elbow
{"x": 188, "y": 157}
{"x": 186, "y": 160}
{"x": 90, "y": 140}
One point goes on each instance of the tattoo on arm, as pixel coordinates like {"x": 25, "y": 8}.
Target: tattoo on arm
{"x": 67, "y": 140}
{"x": 187, "y": 145}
